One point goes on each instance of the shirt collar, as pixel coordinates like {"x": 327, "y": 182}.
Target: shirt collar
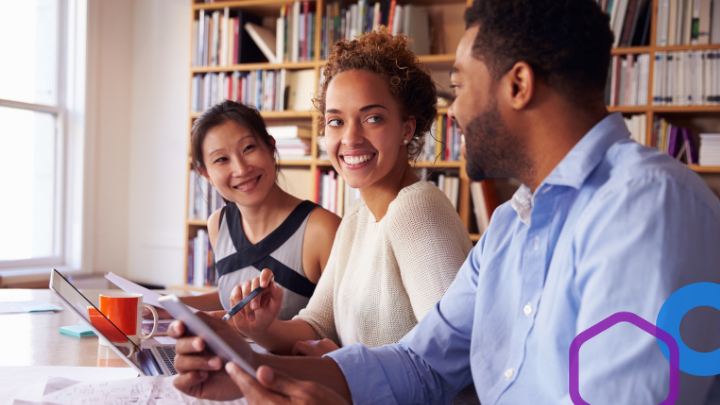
{"x": 582, "y": 159}
{"x": 574, "y": 168}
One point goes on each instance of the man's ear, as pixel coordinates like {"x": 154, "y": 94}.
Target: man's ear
{"x": 520, "y": 85}
{"x": 272, "y": 140}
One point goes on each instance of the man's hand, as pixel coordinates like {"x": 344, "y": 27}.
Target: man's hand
{"x": 201, "y": 374}
{"x": 314, "y": 348}
{"x": 274, "y": 387}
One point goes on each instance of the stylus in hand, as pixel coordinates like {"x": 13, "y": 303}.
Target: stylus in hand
{"x": 240, "y": 305}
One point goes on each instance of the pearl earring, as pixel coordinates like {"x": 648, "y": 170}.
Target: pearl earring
{"x": 405, "y": 141}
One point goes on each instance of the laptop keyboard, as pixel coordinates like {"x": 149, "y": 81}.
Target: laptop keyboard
{"x": 167, "y": 355}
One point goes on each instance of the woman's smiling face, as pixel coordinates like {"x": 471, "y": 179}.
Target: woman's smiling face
{"x": 239, "y": 166}
{"x": 364, "y": 128}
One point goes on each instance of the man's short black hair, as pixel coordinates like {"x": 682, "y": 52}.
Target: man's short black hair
{"x": 566, "y": 42}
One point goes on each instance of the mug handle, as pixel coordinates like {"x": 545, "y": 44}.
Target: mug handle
{"x": 155, "y": 322}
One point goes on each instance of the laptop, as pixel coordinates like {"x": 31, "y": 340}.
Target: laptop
{"x": 150, "y": 360}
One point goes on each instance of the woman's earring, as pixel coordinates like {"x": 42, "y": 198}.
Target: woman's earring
{"x": 405, "y": 141}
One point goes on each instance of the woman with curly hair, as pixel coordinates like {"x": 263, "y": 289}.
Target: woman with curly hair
{"x": 399, "y": 248}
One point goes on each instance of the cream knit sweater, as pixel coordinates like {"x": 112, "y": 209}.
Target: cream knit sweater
{"x": 383, "y": 277}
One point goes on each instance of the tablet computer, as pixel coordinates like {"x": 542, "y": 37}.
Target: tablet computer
{"x": 198, "y": 327}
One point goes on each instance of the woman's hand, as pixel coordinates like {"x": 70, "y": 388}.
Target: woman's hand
{"x": 259, "y": 314}
{"x": 201, "y": 374}
{"x": 274, "y": 387}
{"x": 314, "y": 348}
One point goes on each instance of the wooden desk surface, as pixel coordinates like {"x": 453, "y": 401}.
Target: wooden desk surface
{"x": 34, "y": 339}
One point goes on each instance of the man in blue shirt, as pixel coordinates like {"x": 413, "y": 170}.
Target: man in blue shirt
{"x": 600, "y": 225}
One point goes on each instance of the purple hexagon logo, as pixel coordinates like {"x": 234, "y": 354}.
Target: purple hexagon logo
{"x": 604, "y": 325}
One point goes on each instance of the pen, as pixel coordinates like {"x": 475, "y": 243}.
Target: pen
{"x": 240, "y": 305}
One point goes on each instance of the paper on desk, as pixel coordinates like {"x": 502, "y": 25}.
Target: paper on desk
{"x": 28, "y": 383}
{"x": 15, "y": 307}
{"x": 149, "y": 297}
{"x": 143, "y": 390}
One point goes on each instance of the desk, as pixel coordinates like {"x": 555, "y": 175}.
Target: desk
{"x": 34, "y": 339}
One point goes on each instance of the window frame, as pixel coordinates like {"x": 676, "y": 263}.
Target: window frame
{"x": 71, "y": 193}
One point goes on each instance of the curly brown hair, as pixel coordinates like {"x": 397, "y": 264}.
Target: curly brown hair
{"x": 391, "y": 57}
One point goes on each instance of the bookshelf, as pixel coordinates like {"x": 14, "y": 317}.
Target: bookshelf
{"x": 304, "y": 171}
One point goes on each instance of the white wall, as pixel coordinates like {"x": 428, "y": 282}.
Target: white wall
{"x": 142, "y": 93}
{"x": 110, "y": 26}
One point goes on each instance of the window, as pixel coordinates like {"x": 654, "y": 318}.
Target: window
{"x": 42, "y": 43}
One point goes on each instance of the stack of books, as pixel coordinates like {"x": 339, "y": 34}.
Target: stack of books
{"x": 675, "y": 141}
{"x": 442, "y": 143}
{"x": 709, "y": 149}
{"x": 687, "y": 78}
{"x": 637, "y": 124}
{"x": 343, "y": 22}
{"x": 203, "y": 199}
{"x": 688, "y": 22}
{"x": 265, "y": 90}
{"x": 629, "y": 20}
{"x": 628, "y": 82}
{"x": 291, "y": 141}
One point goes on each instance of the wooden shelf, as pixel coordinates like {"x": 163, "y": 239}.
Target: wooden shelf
{"x": 631, "y": 50}
{"x": 475, "y": 237}
{"x": 684, "y": 109}
{"x": 705, "y": 169}
{"x": 254, "y": 5}
{"x": 257, "y": 66}
{"x": 679, "y": 109}
{"x": 274, "y": 114}
{"x": 196, "y": 222}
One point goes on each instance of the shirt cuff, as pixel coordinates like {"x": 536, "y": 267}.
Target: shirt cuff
{"x": 364, "y": 374}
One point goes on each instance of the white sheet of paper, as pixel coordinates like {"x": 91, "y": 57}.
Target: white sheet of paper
{"x": 28, "y": 383}
{"x": 142, "y": 390}
{"x": 17, "y": 307}
{"x": 149, "y": 296}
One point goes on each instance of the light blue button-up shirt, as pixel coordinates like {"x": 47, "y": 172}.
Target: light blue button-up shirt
{"x": 615, "y": 227}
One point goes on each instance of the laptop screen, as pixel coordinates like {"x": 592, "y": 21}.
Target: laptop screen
{"x": 83, "y": 306}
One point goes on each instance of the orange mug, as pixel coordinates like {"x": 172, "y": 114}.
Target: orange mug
{"x": 124, "y": 310}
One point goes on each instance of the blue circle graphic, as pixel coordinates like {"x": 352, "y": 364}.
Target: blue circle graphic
{"x": 672, "y": 312}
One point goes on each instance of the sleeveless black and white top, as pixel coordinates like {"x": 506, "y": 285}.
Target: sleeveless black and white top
{"x": 237, "y": 260}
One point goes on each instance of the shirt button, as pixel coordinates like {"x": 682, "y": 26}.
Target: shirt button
{"x": 527, "y": 310}
{"x": 509, "y": 373}
{"x": 537, "y": 242}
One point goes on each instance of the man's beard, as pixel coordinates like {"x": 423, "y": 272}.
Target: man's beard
{"x": 491, "y": 150}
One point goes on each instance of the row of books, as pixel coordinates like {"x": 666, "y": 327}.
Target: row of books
{"x": 709, "y": 150}
{"x": 687, "y": 78}
{"x": 637, "y": 125}
{"x": 688, "y": 22}
{"x": 203, "y": 199}
{"x": 447, "y": 181}
{"x": 628, "y": 81}
{"x": 629, "y": 20}
{"x": 265, "y": 90}
{"x": 294, "y": 39}
{"x": 344, "y": 21}
{"x": 221, "y": 39}
{"x": 675, "y": 141}
{"x": 330, "y": 191}
{"x": 201, "y": 261}
{"x": 442, "y": 143}
{"x": 291, "y": 141}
